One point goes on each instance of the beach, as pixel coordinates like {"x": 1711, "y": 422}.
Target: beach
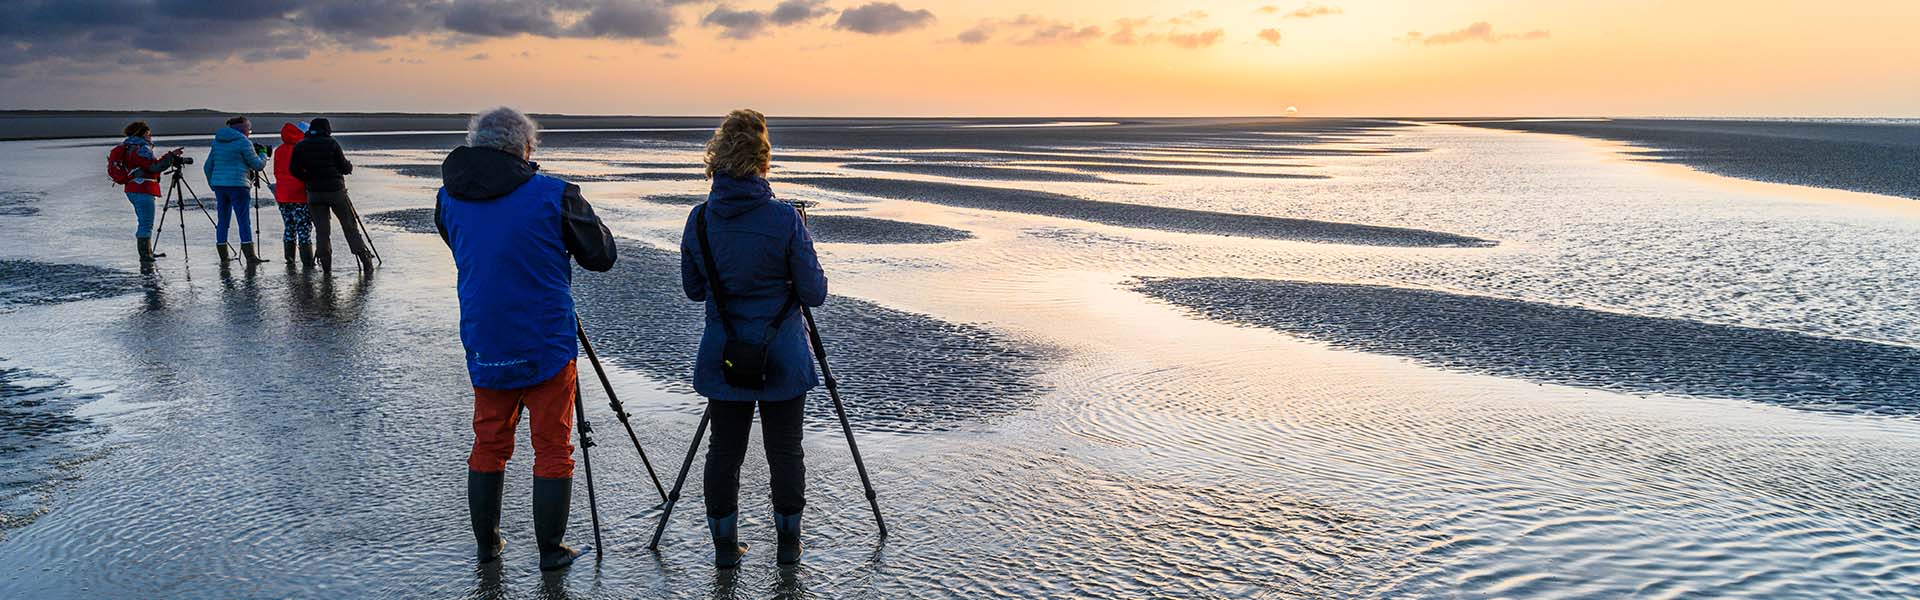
{"x": 1104, "y": 357}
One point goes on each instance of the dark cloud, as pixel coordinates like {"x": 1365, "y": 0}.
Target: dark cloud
{"x": 794, "y": 12}
{"x": 53, "y": 36}
{"x": 1480, "y": 31}
{"x": 501, "y": 18}
{"x": 882, "y": 18}
{"x": 648, "y": 20}
{"x": 736, "y": 24}
{"x": 1271, "y": 36}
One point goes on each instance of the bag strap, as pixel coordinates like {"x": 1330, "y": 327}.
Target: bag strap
{"x": 713, "y": 282}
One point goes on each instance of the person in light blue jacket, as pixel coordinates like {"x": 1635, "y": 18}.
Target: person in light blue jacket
{"x": 230, "y": 167}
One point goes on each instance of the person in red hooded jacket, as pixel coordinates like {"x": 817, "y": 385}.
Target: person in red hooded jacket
{"x": 291, "y": 195}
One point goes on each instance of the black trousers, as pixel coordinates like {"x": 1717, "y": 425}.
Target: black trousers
{"x": 786, "y": 461}
{"x": 322, "y": 207}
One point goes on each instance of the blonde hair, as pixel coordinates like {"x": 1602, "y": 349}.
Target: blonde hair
{"x": 740, "y": 147}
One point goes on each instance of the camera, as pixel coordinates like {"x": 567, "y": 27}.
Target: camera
{"x": 182, "y": 159}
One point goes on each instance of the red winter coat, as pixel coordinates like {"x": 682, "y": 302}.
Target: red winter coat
{"x": 287, "y": 189}
{"x": 143, "y": 166}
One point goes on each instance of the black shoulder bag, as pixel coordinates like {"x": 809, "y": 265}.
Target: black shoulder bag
{"x": 742, "y": 362}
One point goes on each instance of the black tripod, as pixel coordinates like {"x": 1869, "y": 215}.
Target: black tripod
{"x": 833, "y": 390}
{"x": 175, "y": 197}
{"x": 619, "y": 410}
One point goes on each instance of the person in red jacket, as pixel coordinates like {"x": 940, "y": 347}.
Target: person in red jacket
{"x": 291, "y": 195}
{"x": 143, "y": 170}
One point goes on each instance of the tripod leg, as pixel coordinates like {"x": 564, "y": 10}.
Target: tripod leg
{"x": 368, "y": 236}
{"x": 620, "y": 411}
{"x": 833, "y": 391}
{"x": 678, "y": 482}
{"x": 585, "y": 431}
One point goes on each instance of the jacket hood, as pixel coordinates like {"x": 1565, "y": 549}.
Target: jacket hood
{"x": 134, "y": 140}
{"x": 228, "y": 134}
{"x": 320, "y": 127}
{"x": 471, "y": 173}
{"x": 735, "y": 196}
{"x": 290, "y": 134}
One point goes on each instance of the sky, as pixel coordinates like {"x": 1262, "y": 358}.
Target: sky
{"x": 970, "y": 58}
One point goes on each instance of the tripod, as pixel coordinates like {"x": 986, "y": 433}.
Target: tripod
{"x": 833, "y": 390}
{"x": 176, "y": 183}
{"x": 254, "y": 199}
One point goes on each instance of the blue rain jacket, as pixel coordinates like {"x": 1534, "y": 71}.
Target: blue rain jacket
{"x": 231, "y": 159}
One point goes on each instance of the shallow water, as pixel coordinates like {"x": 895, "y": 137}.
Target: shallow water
{"x": 1067, "y": 402}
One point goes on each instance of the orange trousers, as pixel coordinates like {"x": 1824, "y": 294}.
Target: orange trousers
{"x": 496, "y": 416}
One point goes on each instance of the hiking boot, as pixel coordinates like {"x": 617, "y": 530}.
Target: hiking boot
{"x": 727, "y": 549}
{"x": 253, "y": 258}
{"x": 788, "y": 527}
{"x": 552, "y": 500}
{"x": 483, "y": 503}
{"x": 306, "y": 255}
{"x": 288, "y": 247}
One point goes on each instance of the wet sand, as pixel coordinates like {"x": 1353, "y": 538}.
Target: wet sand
{"x": 1153, "y": 437}
{"x": 1873, "y": 156}
{"x": 1567, "y": 345}
{"x": 1134, "y": 215}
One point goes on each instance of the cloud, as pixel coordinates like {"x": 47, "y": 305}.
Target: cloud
{"x": 1313, "y": 10}
{"x": 55, "y": 36}
{"x": 1267, "y": 10}
{"x": 882, "y": 18}
{"x": 1194, "y": 41}
{"x": 501, "y": 18}
{"x": 795, "y": 12}
{"x": 1272, "y": 36}
{"x": 479, "y": 56}
{"x": 748, "y": 24}
{"x": 648, "y": 20}
{"x": 1172, "y": 31}
{"x": 1029, "y": 30}
{"x": 1480, "y": 31}
{"x": 736, "y": 24}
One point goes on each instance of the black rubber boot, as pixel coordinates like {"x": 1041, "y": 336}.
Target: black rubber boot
{"x": 253, "y": 258}
{"x": 224, "y": 254}
{"x": 788, "y": 527}
{"x": 366, "y": 264}
{"x": 288, "y": 247}
{"x": 727, "y": 549}
{"x": 552, "y": 500}
{"x": 483, "y": 503}
{"x": 144, "y": 246}
{"x": 326, "y": 262}
{"x": 306, "y": 255}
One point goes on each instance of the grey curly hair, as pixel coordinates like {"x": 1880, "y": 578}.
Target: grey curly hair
{"x": 504, "y": 129}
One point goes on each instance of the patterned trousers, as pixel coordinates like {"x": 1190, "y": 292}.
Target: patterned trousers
{"x": 294, "y": 216}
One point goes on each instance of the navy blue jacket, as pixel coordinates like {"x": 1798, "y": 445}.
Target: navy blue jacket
{"x": 764, "y": 255}
{"x": 511, "y": 230}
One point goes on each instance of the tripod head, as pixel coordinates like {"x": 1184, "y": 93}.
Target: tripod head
{"x": 801, "y": 206}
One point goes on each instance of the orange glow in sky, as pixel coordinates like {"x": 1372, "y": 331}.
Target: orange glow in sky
{"x": 1088, "y": 58}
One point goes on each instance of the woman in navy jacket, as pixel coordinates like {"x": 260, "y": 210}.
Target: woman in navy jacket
{"x": 766, "y": 267}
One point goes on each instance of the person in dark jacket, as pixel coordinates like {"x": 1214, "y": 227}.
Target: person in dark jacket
{"x": 511, "y": 230}
{"x": 766, "y": 265}
{"x": 231, "y": 164}
{"x": 319, "y": 164}
{"x": 143, "y": 182}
